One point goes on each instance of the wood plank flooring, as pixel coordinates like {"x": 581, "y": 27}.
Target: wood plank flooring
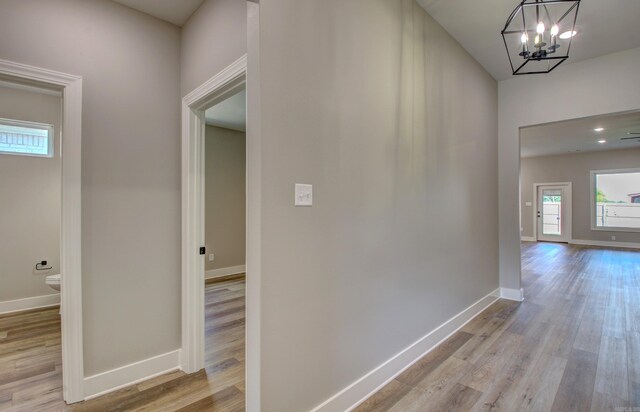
{"x": 572, "y": 345}
{"x": 30, "y": 364}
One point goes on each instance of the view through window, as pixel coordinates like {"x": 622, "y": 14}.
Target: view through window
{"x": 26, "y": 138}
{"x": 617, "y": 199}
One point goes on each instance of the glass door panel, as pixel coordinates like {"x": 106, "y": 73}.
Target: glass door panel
{"x": 553, "y": 213}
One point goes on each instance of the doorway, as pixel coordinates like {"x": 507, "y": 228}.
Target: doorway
{"x": 243, "y": 73}
{"x": 225, "y": 244}
{"x": 227, "y": 84}
{"x": 70, "y": 266}
{"x": 553, "y": 212}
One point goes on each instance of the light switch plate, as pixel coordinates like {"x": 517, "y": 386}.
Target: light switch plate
{"x": 304, "y": 195}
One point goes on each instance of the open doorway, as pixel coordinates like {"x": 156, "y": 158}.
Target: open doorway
{"x": 225, "y": 243}
{"x": 577, "y": 212}
{"x": 30, "y": 201}
{"x": 41, "y": 299}
{"x": 578, "y": 179}
{"x": 214, "y": 314}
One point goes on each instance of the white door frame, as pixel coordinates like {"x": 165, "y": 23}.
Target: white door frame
{"x": 70, "y": 229}
{"x": 569, "y": 206}
{"x": 219, "y": 87}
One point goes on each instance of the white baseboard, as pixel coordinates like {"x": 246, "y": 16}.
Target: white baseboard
{"x": 109, "y": 381}
{"x": 528, "y": 239}
{"x": 605, "y": 243}
{"x": 512, "y": 294}
{"x": 231, "y": 270}
{"x": 35, "y": 302}
{"x": 360, "y": 390}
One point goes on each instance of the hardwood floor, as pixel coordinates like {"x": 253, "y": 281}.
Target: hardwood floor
{"x": 572, "y": 345}
{"x": 30, "y": 361}
{"x": 30, "y": 364}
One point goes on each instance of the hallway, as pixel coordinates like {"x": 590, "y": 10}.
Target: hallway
{"x": 572, "y": 345}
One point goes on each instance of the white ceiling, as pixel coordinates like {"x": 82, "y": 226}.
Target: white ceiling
{"x": 173, "y": 11}
{"x": 579, "y": 135}
{"x": 230, "y": 113}
{"x": 604, "y": 26}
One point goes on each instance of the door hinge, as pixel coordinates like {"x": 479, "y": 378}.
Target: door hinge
{"x": 203, "y": 250}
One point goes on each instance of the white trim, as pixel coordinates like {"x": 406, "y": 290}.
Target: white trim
{"x": 30, "y": 88}
{"x": 615, "y": 229}
{"x": 359, "y": 391}
{"x": 592, "y": 200}
{"x": 231, "y": 270}
{"x": 512, "y": 294}
{"x": 225, "y": 84}
{"x": 527, "y": 239}
{"x": 109, "y": 381}
{"x": 35, "y": 302}
{"x": 71, "y": 233}
{"x": 569, "y": 206}
{"x": 605, "y": 243}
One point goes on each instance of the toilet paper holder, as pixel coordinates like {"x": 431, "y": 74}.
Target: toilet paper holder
{"x": 42, "y": 265}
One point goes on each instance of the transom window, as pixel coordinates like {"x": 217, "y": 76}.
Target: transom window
{"x": 616, "y": 200}
{"x": 26, "y": 138}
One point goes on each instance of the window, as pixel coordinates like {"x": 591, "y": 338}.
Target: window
{"x": 26, "y": 138}
{"x": 616, "y": 200}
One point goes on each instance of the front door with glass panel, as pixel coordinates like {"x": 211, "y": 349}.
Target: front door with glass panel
{"x": 552, "y": 213}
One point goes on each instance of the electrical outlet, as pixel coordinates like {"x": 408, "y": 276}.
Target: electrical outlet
{"x": 211, "y": 257}
{"x": 613, "y": 238}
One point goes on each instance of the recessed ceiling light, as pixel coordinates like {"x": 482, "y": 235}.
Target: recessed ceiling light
{"x": 568, "y": 34}
{"x": 598, "y": 129}
{"x": 602, "y": 141}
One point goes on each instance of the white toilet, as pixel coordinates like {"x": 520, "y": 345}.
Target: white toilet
{"x": 53, "y": 281}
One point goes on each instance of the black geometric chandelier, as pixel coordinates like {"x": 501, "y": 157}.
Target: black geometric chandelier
{"x": 538, "y": 34}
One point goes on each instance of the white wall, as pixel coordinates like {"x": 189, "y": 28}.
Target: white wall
{"x": 373, "y": 103}
{"x": 130, "y": 165}
{"x": 214, "y": 37}
{"x": 575, "y": 168}
{"x": 225, "y": 197}
{"x": 29, "y": 200}
{"x": 607, "y": 84}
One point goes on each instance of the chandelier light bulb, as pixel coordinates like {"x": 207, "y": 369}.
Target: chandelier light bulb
{"x": 535, "y": 32}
